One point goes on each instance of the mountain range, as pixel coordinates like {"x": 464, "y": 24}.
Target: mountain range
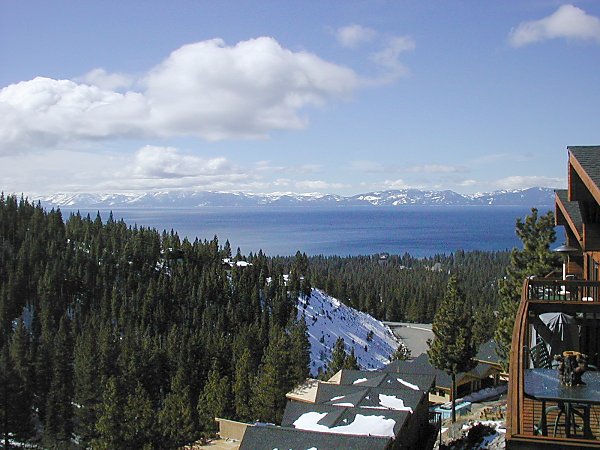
{"x": 192, "y": 199}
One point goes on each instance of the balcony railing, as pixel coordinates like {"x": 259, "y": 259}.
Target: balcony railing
{"x": 564, "y": 290}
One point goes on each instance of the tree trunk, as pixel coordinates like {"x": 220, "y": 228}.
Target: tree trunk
{"x": 453, "y": 394}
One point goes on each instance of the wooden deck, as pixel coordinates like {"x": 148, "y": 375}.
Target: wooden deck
{"x": 532, "y": 413}
{"x": 577, "y": 298}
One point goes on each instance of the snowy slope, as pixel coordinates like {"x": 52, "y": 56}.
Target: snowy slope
{"x": 327, "y": 318}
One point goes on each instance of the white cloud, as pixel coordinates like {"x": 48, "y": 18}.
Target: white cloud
{"x": 168, "y": 162}
{"x": 207, "y": 89}
{"x": 523, "y": 182}
{"x": 42, "y": 112}
{"x": 437, "y": 168}
{"x": 367, "y": 166}
{"x": 352, "y": 36}
{"x": 568, "y": 21}
{"x": 318, "y": 185}
{"x": 108, "y": 81}
{"x": 389, "y": 57}
{"x": 395, "y": 184}
{"x": 467, "y": 183}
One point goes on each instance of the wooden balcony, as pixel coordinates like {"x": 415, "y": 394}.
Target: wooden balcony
{"x": 537, "y": 421}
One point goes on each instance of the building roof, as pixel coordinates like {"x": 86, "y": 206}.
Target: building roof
{"x": 421, "y": 365}
{"x": 488, "y": 353}
{"x": 369, "y": 397}
{"x": 589, "y": 159}
{"x": 572, "y": 209}
{"x": 272, "y": 437}
{"x": 343, "y": 420}
{"x": 423, "y": 377}
{"x": 306, "y": 391}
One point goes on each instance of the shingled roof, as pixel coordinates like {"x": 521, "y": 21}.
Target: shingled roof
{"x": 589, "y": 159}
{"x": 369, "y": 397}
{"x": 421, "y": 365}
{"x": 272, "y": 437}
{"x": 386, "y": 379}
{"x": 488, "y": 352}
{"x": 572, "y": 209}
{"x": 344, "y": 420}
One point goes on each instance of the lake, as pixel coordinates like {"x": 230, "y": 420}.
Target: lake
{"x": 417, "y": 230}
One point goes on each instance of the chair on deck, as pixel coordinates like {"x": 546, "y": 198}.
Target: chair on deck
{"x": 540, "y": 358}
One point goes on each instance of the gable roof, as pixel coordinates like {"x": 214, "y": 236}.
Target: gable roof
{"x": 421, "y": 365}
{"x": 343, "y": 420}
{"x": 488, "y": 353}
{"x": 589, "y": 159}
{"x": 369, "y": 397}
{"x": 572, "y": 211}
{"x": 272, "y": 437}
{"x": 423, "y": 377}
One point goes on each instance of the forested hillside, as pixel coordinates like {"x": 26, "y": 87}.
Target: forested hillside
{"x": 117, "y": 336}
{"x": 403, "y": 288}
{"x": 125, "y": 338}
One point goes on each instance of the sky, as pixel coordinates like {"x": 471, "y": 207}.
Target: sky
{"x": 341, "y": 97}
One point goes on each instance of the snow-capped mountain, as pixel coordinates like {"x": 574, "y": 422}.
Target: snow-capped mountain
{"x": 193, "y": 199}
{"x": 327, "y": 319}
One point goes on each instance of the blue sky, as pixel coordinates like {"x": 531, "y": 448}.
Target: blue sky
{"x": 339, "y": 96}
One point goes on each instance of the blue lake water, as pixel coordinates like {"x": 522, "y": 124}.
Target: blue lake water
{"x": 418, "y": 230}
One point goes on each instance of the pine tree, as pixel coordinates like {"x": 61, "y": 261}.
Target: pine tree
{"x": 22, "y": 383}
{"x": 214, "y": 399}
{"x": 271, "y": 384}
{"x": 58, "y": 423}
{"x": 88, "y": 393}
{"x": 299, "y": 368}
{"x": 138, "y": 420}
{"x": 110, "y": 418}
{"x": 176, "y": 418}
{"x": 351, "y": 362}
{"x": 452, "y": 349}
{"x": 535, "y": 259}
{"x": 241, "y": 387}
{"x": 339, "y": 359}
{"x": 15, "y": 402}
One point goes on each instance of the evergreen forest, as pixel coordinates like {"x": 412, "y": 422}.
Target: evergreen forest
{"x": 115, "y": 336}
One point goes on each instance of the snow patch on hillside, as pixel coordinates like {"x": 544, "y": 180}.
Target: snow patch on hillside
{"x": 327, "y": 318}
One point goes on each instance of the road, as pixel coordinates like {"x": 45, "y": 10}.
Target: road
{"x": 414, "y": 335}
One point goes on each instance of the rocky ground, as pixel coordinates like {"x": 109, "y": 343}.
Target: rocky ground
{"x": 482, "y": 428}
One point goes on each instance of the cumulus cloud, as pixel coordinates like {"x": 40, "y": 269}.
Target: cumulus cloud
{"x": 523, "y": 182}
{"x": 42, "y": 112}
{"x": 352, "y": 36}
{"x": 568, "y": 21}
{"x": 168, "y": 162}
{"x": 109, "y": 81}
{"x": 207, "y": 89}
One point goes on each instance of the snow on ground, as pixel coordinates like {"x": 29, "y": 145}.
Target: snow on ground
{"x": 327, "y": 318}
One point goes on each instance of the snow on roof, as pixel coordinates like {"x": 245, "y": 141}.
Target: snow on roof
{"x": 393, "y": 402}
{"x": 236, "y": 263}
{"x": 407, "y": 384}
{"x": 361, "y": 425}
